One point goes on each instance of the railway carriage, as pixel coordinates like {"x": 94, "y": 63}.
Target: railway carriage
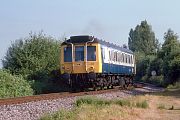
{"x": 90, "y": 62}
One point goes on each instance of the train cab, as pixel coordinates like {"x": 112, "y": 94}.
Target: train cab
{"x": 80, "y": 55}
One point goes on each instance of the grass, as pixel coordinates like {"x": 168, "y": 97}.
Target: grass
{"x": 175, "y": 86}
{"x": 88, "y": 107}
{"x": 142, "y": 104}
{"x": 92, "y": 101}
{"x": 61, "y": 115}
{"x": 161, "y": 106}
{"x": 121, "y": 102}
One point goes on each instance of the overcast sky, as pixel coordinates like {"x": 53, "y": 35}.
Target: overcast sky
{"x": 110, "y": 20}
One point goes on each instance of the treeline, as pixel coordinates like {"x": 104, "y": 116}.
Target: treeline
{"x": 30, "y": 65}
{"x": 156, "y": 63}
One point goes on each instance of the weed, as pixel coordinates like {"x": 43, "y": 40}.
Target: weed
{"x": 142, "y": 104}
{"x": 161, "y": 106}
{"x": 61, "y": 115}
{"x": 175, "y": 86}
{"x": 92, "y": 101}
{"x": 123, "y": 102}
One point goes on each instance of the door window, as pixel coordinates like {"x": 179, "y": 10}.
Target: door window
{"x": 79, "y": 53}
{"x": 91, "y": 53}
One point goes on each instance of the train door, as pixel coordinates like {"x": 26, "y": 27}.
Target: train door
{"x": 79, "y": 58}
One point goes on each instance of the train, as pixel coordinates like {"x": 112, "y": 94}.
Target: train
{"x": 89, "y": 62}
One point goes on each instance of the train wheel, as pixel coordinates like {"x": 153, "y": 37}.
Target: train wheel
{"x": 94, "y": 87}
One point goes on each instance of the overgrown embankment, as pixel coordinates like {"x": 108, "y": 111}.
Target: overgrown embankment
{"x": 161, "y": 106}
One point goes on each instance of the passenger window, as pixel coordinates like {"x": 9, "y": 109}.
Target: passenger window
{"x": 116, "y": 56}
{"x": 109, "y": 55}
{"x": 126, "y": 58}
{"x": 91, "y": 53}
{"x": 79, "y": 53}
{"x": 68, "y": 54}
{"x": 119, "y": 57}
{"x": 129, "y": 59}
{"x": 122, "y": 57}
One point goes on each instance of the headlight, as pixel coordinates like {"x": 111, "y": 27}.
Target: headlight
{"x": 91, "y": 69}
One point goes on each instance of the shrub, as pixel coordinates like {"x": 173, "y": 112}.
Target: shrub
{"x": 101, "y": 102}
{"x": 174, "y": 86}
{"x": 92, "y": 101}
{"x": 142, "y": 104}
{"x": 157, "y": 80}
{"x": 123, "y": 102}
{"x": 33, "y": 57}
{"x": 13, "y": 86}
{"x": 144, "y": 78}
{"x": 61, "y": 115}
{"x": 161, "y": 106}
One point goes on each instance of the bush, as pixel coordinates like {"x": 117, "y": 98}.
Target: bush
{"x": 123, "y": 102}
{"x": 13, "y": 86}
{"x": 101, "y": 102}
{"x": 142, "y": 104}
{"x": 157, "y": 80}
{"x": 92, "y": 101}
{"x": 144, "y": 78}
{"x": 174, "y": 86}
{"x": 61, "y": 115}
{"x": 34, "y": 57}
{"x": 161, "y": 106}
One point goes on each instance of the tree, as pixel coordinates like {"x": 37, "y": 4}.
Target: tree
{"x": 33, "y": 57}
{"x": 170, "y": 53}
{"x": 142, "y": 39}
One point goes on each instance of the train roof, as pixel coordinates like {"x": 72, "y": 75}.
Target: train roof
{"x": 86, "y": 38}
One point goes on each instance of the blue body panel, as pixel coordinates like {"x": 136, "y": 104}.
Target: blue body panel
{"x": 117, "y": 69}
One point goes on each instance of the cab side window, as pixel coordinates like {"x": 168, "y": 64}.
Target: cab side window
{"x": 68, "y": 54}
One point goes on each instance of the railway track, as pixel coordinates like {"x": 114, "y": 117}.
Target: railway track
{"x": 33, "y": 107}
{"x": 51, "y": 96}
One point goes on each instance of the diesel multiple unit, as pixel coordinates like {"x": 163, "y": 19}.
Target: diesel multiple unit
{"x": 89, "y": 62}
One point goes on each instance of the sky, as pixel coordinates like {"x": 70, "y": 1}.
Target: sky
{"x": 110, "y": 20}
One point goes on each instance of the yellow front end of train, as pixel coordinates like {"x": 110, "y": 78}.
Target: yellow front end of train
{"x": 80, "y": 58}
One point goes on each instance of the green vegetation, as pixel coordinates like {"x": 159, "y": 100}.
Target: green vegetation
{"x": 165, "y": 60}
{"x": 174, "y": 86}
{"x": 13, "y": 86}
{"x": 123, "y": 102}
{"x": 142, "y": 104}
{"x": 61, "y": 115}
{"x": 91, "y": 108}
{"x": 142, "y": 39}
{"x": 161, "y": 106}
{"x": 35, "y": 58}
{"x": 92, "y": 101}
{"x": 101, "y": 102}
{"x": 93, "y": 104}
